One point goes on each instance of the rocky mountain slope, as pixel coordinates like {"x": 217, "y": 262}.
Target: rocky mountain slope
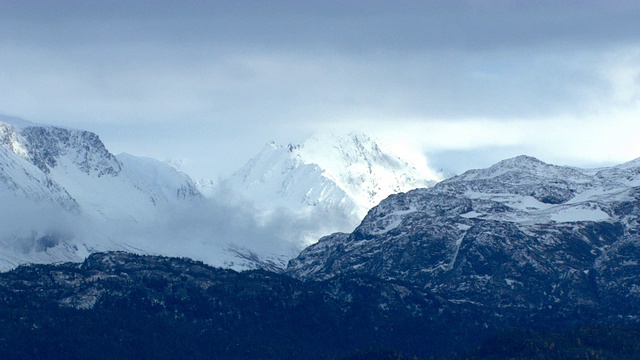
{"x": 22, "y": 176}
{"x": 522, "y": 236}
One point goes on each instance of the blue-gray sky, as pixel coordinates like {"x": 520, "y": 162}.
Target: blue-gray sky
{"x": 465, "y": 82}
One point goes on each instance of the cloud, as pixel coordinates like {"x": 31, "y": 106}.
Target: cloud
{"x": 29, "y": 226}
{"x": 341, "y": 25}
{"x": 603, "y": 138}
{"x": 206, "y": 229}
{"x": 223, "y": 220}
{"x": 213, "y": 81}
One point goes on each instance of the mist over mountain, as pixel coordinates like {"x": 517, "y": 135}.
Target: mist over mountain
{"x": 331, "y": 179}
{"x": 69, "y": 196}
{"x": 66, "y": 196}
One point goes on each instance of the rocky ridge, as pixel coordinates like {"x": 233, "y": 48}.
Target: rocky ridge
{"x": 521, "y": 235}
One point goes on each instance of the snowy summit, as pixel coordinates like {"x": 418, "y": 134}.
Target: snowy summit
{"x": 344, "y": 175}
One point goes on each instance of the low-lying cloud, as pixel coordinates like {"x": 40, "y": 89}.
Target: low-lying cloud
{"x": 208, "y": 229}
{"x": 29, "y": 226}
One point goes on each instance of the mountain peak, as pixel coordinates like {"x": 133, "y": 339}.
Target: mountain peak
{"x": 521, "y": 169}
{"x": 522, "y": 175}
{"x": 357, "y": 164}
{"x": 330, "y": 180}
{"x": 521, "y": 163}
{"x": 523, "y": 160}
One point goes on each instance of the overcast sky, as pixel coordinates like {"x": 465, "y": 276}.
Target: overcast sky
{"x": 467, "y": 83}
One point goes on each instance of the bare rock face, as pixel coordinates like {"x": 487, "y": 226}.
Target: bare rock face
{"x": 45, "y": 145}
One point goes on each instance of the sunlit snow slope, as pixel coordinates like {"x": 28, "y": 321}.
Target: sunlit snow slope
{"x": 333, "y": 178}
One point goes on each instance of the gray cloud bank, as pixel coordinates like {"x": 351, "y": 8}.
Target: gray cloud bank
{"x": 213, "y": 81}
{"x": 351, "y": 25}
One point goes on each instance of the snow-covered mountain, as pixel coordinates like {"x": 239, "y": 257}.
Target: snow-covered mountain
{"x": 57, "y": 183}
{"x": 22, "y": 177}
{"x": 331, "y": 178}
{"x": 68, "y": 196}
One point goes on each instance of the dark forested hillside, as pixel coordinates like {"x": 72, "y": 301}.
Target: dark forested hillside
{"x": 119, "y": 305}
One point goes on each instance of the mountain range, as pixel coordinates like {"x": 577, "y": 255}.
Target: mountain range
{"x": 66, "y": 196}
{"x": 522, "y": 259}
{"x": 519, "y": 237}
